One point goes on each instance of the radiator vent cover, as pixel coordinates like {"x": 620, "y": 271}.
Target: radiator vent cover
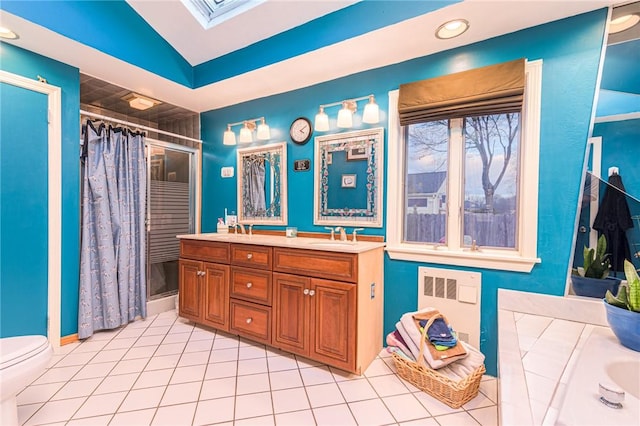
{"x": 456, "y": 294}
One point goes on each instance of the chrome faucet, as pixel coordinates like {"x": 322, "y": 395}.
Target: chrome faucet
{"x": 332, "y": 232}
{"x": 343, "y": 233}
{"x": 354, "y": 239}
{"x": 242, "y": 229}
{"x": 251, "y": 229}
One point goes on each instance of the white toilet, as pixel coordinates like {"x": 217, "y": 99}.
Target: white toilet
{"x": 22, "y": 360}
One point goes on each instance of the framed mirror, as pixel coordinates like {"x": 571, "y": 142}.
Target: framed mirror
{"x": 262, "y": 184}
{"x": 348, "y": 169}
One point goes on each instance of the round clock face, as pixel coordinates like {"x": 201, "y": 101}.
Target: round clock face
{"x": 300, "y": 130}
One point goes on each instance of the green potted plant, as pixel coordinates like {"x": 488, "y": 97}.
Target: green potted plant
{"x": 623, "y": 310}
{"x": 592, "y": 279}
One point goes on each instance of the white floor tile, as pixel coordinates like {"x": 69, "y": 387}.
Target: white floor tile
{"x": 121, "y": 343}
{"x": 131, "y": 332}
{"x": 181, "y": 414}
{"x": 377, "y": 368}
{"x": 489, "y": 387}
{"x": 38, "y": 393}
{"x": 306, "y": 362}
{"x": 249, "y": 352}
{"x": 295, "y": 418}
{"x": 255, "y": 421}
{"x": 56, "y": 374}
{"x": 214, "y": 411}
{"x": 149, "y": 341}
{"x": 388, "y": 385}
{"x": 253, "y": 405}
{"x": 193, "y": 358}
{"x": 198, "y": 345}
{"x": 91, "y": 421}
{"x": 176, "y": 338}
{"x": 457, "y": 419}
{"x": 122, "y": 382}
{"x": 218, "y": 388}
{"x": 316, "y": 375}
{"x": 98, "y": 405}
{"x": 479, "y": 401}
{"x": 405, "y": 407}
{"x": 334, "y": 415}
{"x": 287, "y": 400}
{"x": 77, "y": 388}
{"x": 181, "y": 328}
{"x": 76, "y": 358}
{"x": 26, "y": 411}
{"x": 108, "y": 356}
{"x": 91, "y": 346}
{"x": 154, "y": 330}
{"x": 56, "y": 411}
{"x": 487, "y": 416}
{"x": 181, "y": 393}
{"x": 202, "y": 334}
{"x": 221, "y": 369}
{"x": 222, "y": 342}
{"x": 371, "y": 412}
{"x": 252, "y": 366}
{"x": 433, "y": 406}
{"x": 282, "y": 362}
{"x": 323, "y": 395}
{"x": 131, "y": 418}
{"x": 223, "y": 355}
{"x": 128, "y": 366}
{"x": 140, "y": 352}
{"x": 170, "y": 349}
{"x": 140, "y": 399}
{"x": 423, "y": 422}
{"x": 95, "y": 370}
{"x": 357, "y": 390}
{"x": 252, "y": 383}
{"x": 150, "y": 379}
{"x": 162, "y": 362}
{"x": 285, "y": 379}
{"x": 104, "y": 335}
{"x": 341, "y": 375}
{"x": 193, "y": 373}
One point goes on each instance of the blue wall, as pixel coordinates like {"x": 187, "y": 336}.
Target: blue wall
{"x": 30, "y": 65}
{"x": 570, "y": 50}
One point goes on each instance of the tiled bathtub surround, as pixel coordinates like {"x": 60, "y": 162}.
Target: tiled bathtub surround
{"x": 540, "y": 337}
{"x": 166, "y": 371}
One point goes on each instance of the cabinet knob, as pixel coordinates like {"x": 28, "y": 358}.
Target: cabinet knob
{"x": 249, "y": 285}
{"x": 306, "y": 291}
{"x": 249, "y": 320}
{"x": 312, "y": 292}
{"x": 249, "y": 255}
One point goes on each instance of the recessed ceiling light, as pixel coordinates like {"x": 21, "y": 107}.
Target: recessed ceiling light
{"x": 8, "y": 34}
{"x": 452, "y": 28}
{"x": 623, "y": 23}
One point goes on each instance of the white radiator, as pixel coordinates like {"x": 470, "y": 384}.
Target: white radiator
{"x": 456, "y": 294}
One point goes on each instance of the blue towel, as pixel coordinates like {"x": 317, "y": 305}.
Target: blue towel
{"x": 439, "y": 333}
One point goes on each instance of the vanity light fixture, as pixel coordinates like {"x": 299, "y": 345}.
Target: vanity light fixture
{"x": 370, "y": 115}
{"x": 6, "y": 33}
{"x": 451, "y": 29}
{"x": 246, "y": 133}
{"x": 140, "y": 102}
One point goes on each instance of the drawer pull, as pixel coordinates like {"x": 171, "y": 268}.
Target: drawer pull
{"x": 312, "y": 292}
{"x": 249, "y": 284}
{"x": 249, "y": 320}
{"x": 249, "y": 256}
{"x": 306, "y": 291}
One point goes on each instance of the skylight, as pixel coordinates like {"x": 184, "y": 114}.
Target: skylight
{"x": 213, "y": 12}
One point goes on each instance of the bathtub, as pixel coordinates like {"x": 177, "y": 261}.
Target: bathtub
{"x": 602, "y": 360}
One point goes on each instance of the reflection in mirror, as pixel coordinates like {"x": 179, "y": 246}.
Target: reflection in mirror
{"x": 613, "y": 150}
{"x": 262, "y": 184}
{"x": 348, "y": 178}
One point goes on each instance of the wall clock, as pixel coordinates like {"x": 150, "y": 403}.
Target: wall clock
{"x": 300, "y": 130}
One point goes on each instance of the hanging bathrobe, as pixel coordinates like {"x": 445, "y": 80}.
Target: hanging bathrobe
{"x": 613, "y": 220}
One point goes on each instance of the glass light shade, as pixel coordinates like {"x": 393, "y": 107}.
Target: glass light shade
{"x": 229, "y": 137}
{"x": 245, "y": 135}
{"x": 452, "y": 28}
{"x": 264, "y": 132}
{"x": 371, "y": 114}
{"x": 321, "y": 121}
{"x": 345, "y": 117}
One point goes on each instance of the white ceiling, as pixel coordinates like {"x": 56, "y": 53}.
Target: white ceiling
{"x": 395, "y": 43}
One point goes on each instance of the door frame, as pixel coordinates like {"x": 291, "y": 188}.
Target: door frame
{"x": 54, "y": 208}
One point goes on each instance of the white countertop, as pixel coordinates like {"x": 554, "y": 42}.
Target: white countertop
{"x": 281, "y": 241}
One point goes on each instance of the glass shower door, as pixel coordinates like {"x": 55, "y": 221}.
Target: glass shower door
{"x": 170, "y": 212}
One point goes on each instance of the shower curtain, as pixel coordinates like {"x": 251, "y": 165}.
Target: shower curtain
{"x": 113, "y": 254}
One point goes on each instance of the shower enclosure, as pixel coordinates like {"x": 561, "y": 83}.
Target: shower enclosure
{"x": 170, "y": 212}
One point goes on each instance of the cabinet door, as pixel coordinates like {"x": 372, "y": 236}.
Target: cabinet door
{"x": 333, "y": 321}
{"x": 189, "y": 289}
{"x": 290, "y": 317}
{"x": 216, "y": 296}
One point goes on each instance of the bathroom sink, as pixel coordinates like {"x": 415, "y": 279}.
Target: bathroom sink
{"x": 332, "y": 244}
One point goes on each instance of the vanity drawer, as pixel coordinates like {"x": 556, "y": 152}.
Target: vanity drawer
{"x": 251, "y": 320}
{"x": 251, "y": 256}
{"x": 251, "y": 284}
{"x": 315, "y": 263}
{"x": 210, "y": 251}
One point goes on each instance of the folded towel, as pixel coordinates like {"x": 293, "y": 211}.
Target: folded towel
{"x": 434, "y": 359}
{"x": 394, "y": 339}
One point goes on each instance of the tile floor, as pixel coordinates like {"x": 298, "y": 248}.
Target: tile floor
{"x": 166, "y": 371}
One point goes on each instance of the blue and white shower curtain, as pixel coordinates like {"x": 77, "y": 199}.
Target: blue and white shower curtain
{"x": 113, "y": 253}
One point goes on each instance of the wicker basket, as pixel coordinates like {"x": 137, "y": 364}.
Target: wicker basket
{"x": 451, "y": 392}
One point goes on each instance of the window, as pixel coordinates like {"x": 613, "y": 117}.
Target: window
{"x": 213, "y": 12}
{"x": 464, "y": 184}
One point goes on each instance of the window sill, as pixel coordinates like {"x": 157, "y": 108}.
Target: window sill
{"x": 478, "y": 259}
